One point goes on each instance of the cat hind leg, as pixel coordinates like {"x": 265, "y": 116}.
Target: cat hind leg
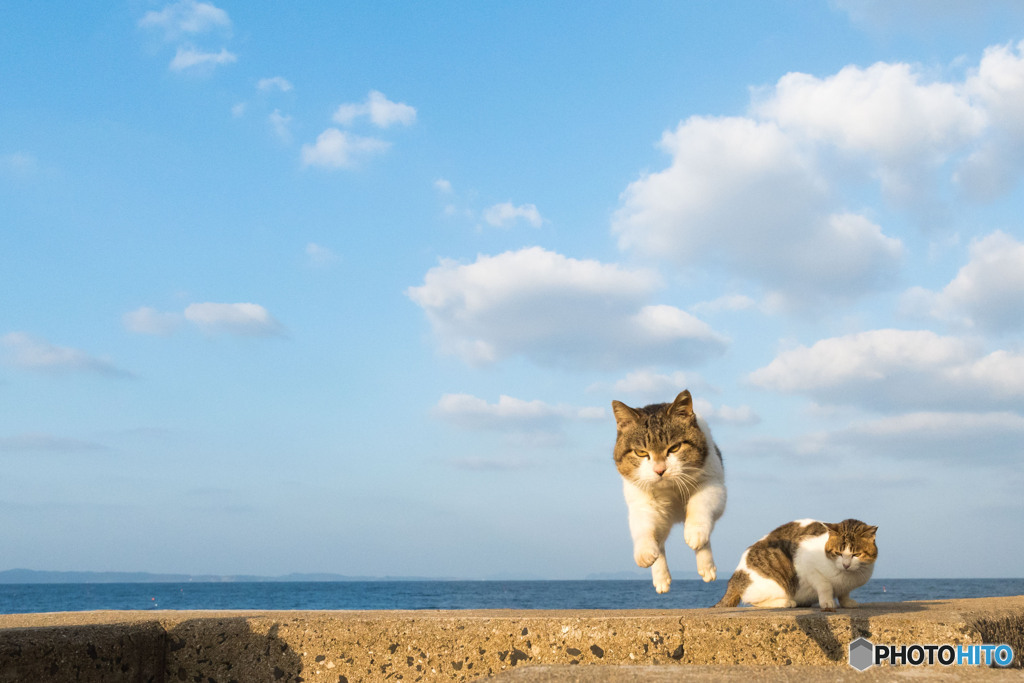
{"x": 660, "y": 575}
{"x": 706, "y": 564}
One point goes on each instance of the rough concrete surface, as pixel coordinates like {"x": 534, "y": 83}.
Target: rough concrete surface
{"x": 521, "y": 645}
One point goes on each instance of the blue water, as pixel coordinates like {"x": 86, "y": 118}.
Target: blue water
{"x": 21, "y": 598}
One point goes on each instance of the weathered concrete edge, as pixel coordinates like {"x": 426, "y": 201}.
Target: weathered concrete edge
{"x": 461, "y": 645}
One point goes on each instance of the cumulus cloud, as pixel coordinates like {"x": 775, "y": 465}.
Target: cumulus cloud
{"x": 557, "y": 310}
{"x": 381, "y": 112}
{"x": 187, "y": 17}
{"x": 992, "y": 169}
{"x": 885, "y": 111}
{"x": 505, "y": 214}
{"x": 33, "y": 353}
{"x": 988, "y": 291}
{"x": 744, "y": 194}
{"x": 192, "y": 58}
{"x": 339, "y": 149}
{"x": 240, "y": 319}
{"x": 898, "y": 369}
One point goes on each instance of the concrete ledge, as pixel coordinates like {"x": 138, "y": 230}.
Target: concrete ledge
{"x": 525, "y": 645}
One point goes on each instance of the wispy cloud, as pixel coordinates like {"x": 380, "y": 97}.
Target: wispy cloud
{"x": 238, "y": 319}
{"x": 33, "y": 353}
{"x": 186, "y": 18}
{"x": 183, "y": 23}
{"x": 191, "y": 58}
{"x": 45, "y": 443}
{"x": 319, "y": 256}
{"x": 274, "y": 84}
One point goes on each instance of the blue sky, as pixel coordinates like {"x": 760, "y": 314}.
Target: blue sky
{"x": 350, "y": 289}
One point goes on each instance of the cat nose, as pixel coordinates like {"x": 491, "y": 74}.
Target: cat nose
{"x": 659, "y": 468}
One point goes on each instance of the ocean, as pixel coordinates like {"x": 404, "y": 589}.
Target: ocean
{"x": 430, "y": 595}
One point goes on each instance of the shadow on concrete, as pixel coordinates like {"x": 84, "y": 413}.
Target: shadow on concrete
{"x": 229, "y": 649}
{"x": 818, "y": 625}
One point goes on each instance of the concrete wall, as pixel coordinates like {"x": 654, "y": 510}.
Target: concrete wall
{"x": 341, "y": 646}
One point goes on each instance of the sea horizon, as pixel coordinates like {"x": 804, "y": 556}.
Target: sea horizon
{"x": 430, "y": 594}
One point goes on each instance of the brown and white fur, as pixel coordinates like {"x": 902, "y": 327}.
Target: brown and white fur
{"x": 804, "y": 562}
{"x": 671, "y": 472}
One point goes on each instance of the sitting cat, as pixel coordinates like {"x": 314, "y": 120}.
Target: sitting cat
{"x": 804, "y": 562}
{"x": 672, "y": 472}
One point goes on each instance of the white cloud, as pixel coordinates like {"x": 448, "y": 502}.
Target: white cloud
{"x": 557, "y": 310}
{"x": 884, "y": 111}
{"x": 982, "y": 438}
{"x": 277, "y": 83}
{"x": 886, "y": 369}
{"x": 146, "y": 320}
{"x": 729, "y": 302}
{"x": 243, "y": 319}
{"x": 320, "y": 256}
{"x": 988, "y": 291}
{"x": 652, "y": 385}
{"x": 993, "y": 167}
{"x": 443, "y": 186}
{"x": 280, "y": 123}
{"x": 32, "y": 353}
{"x": 510, "y": 414}
{"x": 192, "y": 58}
{"x": 22, "y": 164}
{"x": 381, "y": 111}
{"x": 338, "y": 149}
{"x": 186, "y": 18}
{"x": 744, "y": 194}
{"x": 505, "y": 214}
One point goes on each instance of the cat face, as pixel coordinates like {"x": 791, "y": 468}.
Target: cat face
{"x": 851, "y": 545}
{"x": 660, "y": 445}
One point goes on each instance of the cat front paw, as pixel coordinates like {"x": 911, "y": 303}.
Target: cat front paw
{"x": 827, "y": 605}
{"x": 646, "y": 554}
{"x": 662, "y": 584}
{"x": 696, "y": 535}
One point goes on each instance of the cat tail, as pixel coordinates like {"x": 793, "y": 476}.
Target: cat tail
{"x": 733, "y": 594}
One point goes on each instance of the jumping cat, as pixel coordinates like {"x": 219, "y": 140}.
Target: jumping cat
{"x": 804, "y": 562}
{"x": 671, "y": 472}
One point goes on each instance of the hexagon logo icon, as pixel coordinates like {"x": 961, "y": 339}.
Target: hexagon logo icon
{"x": 862, "y": 654}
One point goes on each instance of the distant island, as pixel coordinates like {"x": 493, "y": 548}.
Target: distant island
{"x": 11, "y": 576}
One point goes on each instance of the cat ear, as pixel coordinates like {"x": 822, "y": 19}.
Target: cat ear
{"x": 833, "y": 528}
{"x": 682, "y": 406}
{"x": 870, "y": 531}
{"x": 624, "y": 415}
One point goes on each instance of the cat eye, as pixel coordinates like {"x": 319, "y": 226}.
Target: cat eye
{"x": 675, "y": 449}
{"x": 642, "y": 454}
